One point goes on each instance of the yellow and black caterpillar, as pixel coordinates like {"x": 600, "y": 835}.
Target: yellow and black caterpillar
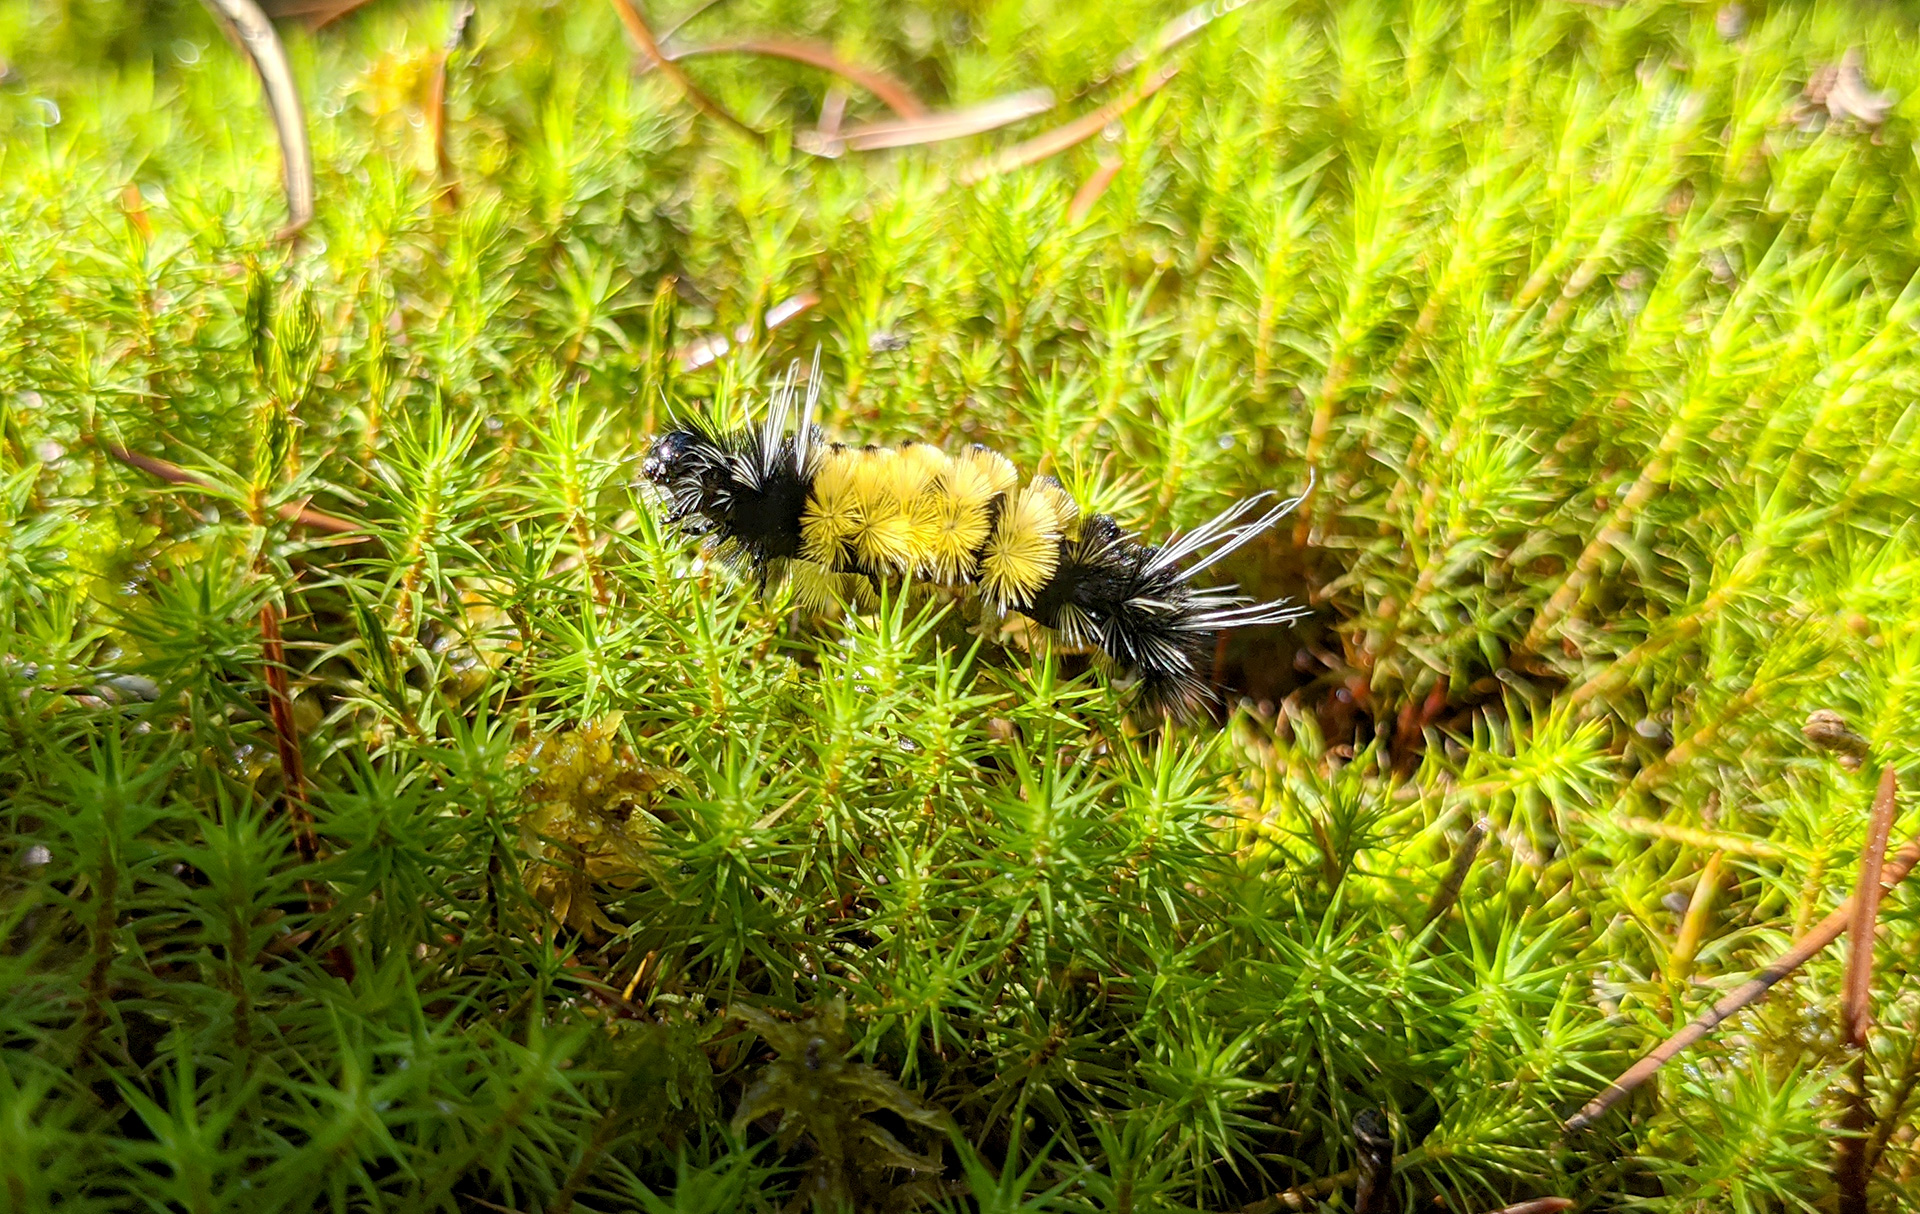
{"x": 835, "y": 519}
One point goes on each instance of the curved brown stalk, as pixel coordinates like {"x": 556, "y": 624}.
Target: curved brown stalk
{"x": 1449, "y": 891}
{"x": 1851, "y": 1162}
{"x": 892, "y": 92}
{"x": 644, "y": 41}
{"x": 251, "y": 29}
{"x": 1092, "y": 188}
{"x": 443, "y": 166}
{"x": 174, "y": 474}
{"x": 286, "y": 736}
{"x": 1068, "y": 135}
{"x": 1856, "y": 1004}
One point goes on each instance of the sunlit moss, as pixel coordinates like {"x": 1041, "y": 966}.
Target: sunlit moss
{"x": 1593, "y": 325}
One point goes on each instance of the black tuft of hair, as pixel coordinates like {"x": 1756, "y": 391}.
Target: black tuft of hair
{"x": 1132, "y": 604}
{"x": 749, "y": 492}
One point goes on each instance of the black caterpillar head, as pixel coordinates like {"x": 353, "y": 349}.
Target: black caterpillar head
{"x": 681, "y": 455}
{"x": 697, "y": 475}
{"x": 748, "y": 488}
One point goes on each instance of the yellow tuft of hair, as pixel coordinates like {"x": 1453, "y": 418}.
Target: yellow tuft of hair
{"x": 915, "y": 511}
{"x": 1025, "y": 547}
{"x": 1066, "y": 511}
{"x": 924, "y": 459}
{"x": 995, "y": 470}
{"x": 836, "y": 509}
{"x": 892, "y": 485}
{"x": 956, "y": 522}
{"x": 858, "y": 591}
{"x": 815, "y": 587}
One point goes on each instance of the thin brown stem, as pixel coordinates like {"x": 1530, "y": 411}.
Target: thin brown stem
{"x": 251, "y": 29}
{"x": 1092, "y": 188}
{"x": 1449, "y": 891}
{"x": 443, "y": 166}
{"x": 892, "y": 92}
{"x": 174, "y": 474}
{"x": 286, "y": 736}
{"x": 1752, "y": 991}
{"x": 1850, "y": 1158}
{"x": 940, "y": 126}
{"x": 293, "y": 771}
{"x": 1856, "y": 1005}
{"x": 1051, "y": 143}
{"x": 643, "y": 40}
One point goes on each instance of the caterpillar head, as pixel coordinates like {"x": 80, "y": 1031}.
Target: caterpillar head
{"x": 679, "y": 455}
{"x": 695, "y": 474}
{"x": 747, "y": 490}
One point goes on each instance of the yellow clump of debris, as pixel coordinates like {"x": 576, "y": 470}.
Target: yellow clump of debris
{"x": 592, "y": 816}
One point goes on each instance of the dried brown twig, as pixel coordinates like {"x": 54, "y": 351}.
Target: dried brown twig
{"x": 174, "y": 474}
{"x": 1851, "y": 1165}
{"x": 1093, "y": 187}
{"x": 892, "y": 92}
{"x": 645, "y": 43}
{"x": 437, "y": 103}
{"x": 274, "y": 659}
{"x": 254, "y": 33}
{"x": 1449, "y": 891}
{"x": 286, "y": 736}
{"x": 1857, "y": 1003}
{"x": 1808, "y": 946}
{"x": 1051, "y": 143}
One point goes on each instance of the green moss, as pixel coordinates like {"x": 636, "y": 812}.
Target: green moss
{"x": 1596, "y": 333}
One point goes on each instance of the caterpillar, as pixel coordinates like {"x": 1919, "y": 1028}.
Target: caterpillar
{"x": 781, "y": 503}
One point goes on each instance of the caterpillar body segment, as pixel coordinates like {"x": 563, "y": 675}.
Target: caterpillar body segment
{"x": 837, "y": 519}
